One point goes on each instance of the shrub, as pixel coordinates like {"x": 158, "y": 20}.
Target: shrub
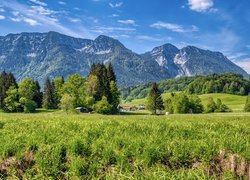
{"x": 102, "y": 106}
{"x": 28, "y": 105}
{"x": 183, "y": 103}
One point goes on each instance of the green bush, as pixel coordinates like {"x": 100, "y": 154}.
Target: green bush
{"x": 28, "y": 105}
{"x": 182, "y": 103}
{"x": 216, "y": 107}
{"x": 102, "y": 106}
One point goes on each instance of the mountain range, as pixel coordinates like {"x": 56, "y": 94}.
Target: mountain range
{"x": 42, "y": 55}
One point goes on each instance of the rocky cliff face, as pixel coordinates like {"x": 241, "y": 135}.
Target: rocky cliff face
{"x": 42, "y": 55}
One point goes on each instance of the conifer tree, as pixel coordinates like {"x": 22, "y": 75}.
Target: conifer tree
{"x": 102, "y": 82}
{"x": 115, "y": 97}
{"x": 6, "y": 81}
{"x": 49, "y": 101}
{"x": 38, "y": 97}
{"x": 111, "y": 73}
{"x": 154, "y": 99}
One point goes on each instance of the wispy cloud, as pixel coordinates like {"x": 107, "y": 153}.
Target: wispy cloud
{"x": 38, "y": 2}
{"x": 31, "y": 22}
{"x": 77, "y": 9}
{"x": 105, "y": 30}
{"x": 75, "y": 20}
{"x": 116, "y": 5}
{"x": 62, "y": 2}
{"x": 2, "y": 17}
{"x": 229, "y": 40}
{"x": 236, "y": 56}
{"x": 44, "y": 17}
{"x": 115, "y": 15}
{"x": 2, "y": 10}
{"x": 174, "y": 27}
{"x": 245, "y": 64}
{"x": 149, "y": 38}
{"x": 200, "y": 5}
{"x": 41, "y": 10}
{"x": 128, "y": 22}
{"x": 28, "y": 21}
{"x": 121, "y": 36}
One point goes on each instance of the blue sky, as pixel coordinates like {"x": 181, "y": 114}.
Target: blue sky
{"x": 218, "y": 25}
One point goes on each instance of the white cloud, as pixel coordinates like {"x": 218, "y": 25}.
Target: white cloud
{"x": 77, "y": 9}
{"x": 15, "y": 19}
{"x": 116, "y": 5}
{"x": 200, "y": 5}
{"x": 45, "y": 17}
{"x": 115, "y": 15}
{"x": 245, "y": 64}
{"x": 236, "y": 56}
{"x": 2, "y": 17}
{"x": 229, "y": 40}
{"x": 174, "y": 27}
{"x": 61, "y": 2}
{"x": 92, "y": 19}
{"x": 2, "y": 10}
{"x": 41, "y": 10}
{"x": 105, "y": 30}
{"x": 39, "y": 2}
{"x": 75, "y": 20}
{"x": 149, "y": 38}
{"x": 121, "y": 36}
{"x": 31, "y": 22}
{"x": 129, "y": 22}
{"x": 20, "y": 18}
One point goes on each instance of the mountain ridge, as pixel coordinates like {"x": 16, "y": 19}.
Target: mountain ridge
{"x": 51, "y": 54}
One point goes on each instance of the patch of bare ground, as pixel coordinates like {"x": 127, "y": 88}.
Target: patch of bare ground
{"x": 11, "y": 165}
{"x": 227, "y": 161}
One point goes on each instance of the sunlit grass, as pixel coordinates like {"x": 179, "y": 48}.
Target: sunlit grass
{"x": 121, "y": 146}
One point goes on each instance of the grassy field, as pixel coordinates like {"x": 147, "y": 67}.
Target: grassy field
{"x": 53, "y": 145}
{"x": 234, "y": 102}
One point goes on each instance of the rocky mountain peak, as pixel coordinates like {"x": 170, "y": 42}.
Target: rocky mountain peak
{"x": 42, "y": 55}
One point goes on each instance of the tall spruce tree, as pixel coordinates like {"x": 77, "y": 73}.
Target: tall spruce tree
{"x": 111, "y": 73}
{"x": 6, "y": 81}
{"x": 154, "y": 99}
{"x": 49, "y": 99}
{"x": 102, "y": 82}
{"x": 115, "y": 97}
{"x": 38, "y": 97}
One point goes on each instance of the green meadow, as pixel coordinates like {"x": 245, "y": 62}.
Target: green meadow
{"x": 234, "y": 102}
{"x": 53, "y": 145}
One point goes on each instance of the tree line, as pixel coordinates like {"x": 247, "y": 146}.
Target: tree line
{"x": 182, "y": 103}
{"x": 97, "y": 92}
{"x": 230, "y": 83}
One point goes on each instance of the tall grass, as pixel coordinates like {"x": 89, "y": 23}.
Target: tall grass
{"x": 141, "y": 147}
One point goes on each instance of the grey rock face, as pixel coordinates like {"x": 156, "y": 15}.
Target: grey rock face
{"x": 42, "y": 55}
